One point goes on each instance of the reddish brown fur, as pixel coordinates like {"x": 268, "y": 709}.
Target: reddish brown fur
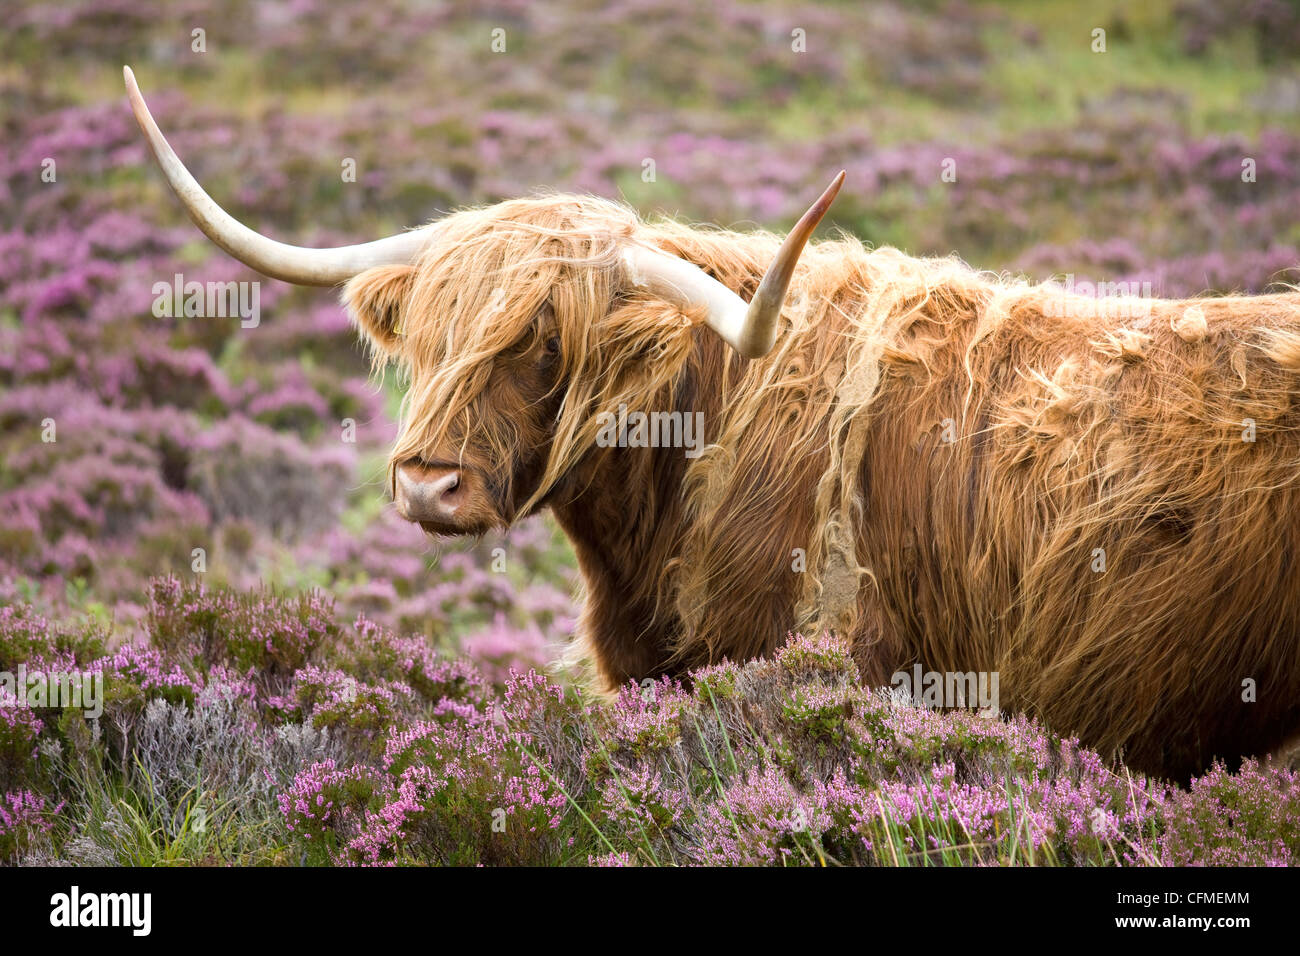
{"x": 1071, "y": 434}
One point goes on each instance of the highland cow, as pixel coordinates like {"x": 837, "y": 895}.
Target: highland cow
{"x": 949, "y": 469}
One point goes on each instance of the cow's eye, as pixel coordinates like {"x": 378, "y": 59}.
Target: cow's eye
{"x": 552, "y": 346}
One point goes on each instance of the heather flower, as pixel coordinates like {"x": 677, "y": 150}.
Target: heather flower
{"x": 19, "y": 729}
{"x": 323, "y": 799}
{"x": 1249, "y": 818}
{"x": 24, "y": 816}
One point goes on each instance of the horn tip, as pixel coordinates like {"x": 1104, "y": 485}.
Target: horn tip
{"x": 834, "y": 187}
{"x": 818, "y": 209}
{"x": 132, "y": 88}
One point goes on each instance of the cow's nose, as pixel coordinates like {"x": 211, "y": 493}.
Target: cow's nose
{"x": 427, "y": 493}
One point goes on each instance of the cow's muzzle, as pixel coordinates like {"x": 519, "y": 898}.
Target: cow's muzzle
{"x": 429, "y": 492}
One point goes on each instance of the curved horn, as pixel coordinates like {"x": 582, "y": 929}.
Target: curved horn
{"x": 749, "y": 329}
{"x": 294, "y": 264}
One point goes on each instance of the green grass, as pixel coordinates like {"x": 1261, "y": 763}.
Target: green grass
{"x": 142, "y": 830}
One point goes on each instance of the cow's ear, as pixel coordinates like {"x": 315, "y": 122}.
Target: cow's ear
{"x": 376, "y": 299}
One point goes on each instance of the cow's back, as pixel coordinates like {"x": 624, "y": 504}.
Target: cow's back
{"x": 1103, "y": 508}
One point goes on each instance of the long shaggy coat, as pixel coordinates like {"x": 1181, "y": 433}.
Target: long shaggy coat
{"x": 1097, "y": 499}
